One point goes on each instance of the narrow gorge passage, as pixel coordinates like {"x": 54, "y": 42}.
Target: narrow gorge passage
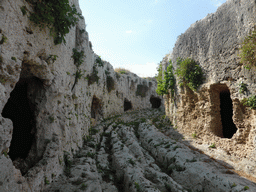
{"x": 131, "y": 153}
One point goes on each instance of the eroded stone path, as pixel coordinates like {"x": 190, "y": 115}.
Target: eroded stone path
{"x": 140, "y": 151}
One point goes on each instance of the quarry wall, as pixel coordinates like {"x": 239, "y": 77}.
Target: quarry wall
{"x": 214, "y": 113}
{"x": 47, "y": 102}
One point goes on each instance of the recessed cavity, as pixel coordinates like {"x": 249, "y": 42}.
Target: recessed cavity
{"x": 226, "y": 110}
{"x": 155, "y": 102}
{"x": 96, "y": 108}
{"x": 127, "y": 104}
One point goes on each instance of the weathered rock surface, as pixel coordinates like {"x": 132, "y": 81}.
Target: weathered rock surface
{"x": 44, "y": 109}
{"x": 128, "y": 153}
{"x": 210, "y": 112}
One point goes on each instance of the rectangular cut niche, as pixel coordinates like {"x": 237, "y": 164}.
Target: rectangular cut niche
{"x": 221, "y": 112}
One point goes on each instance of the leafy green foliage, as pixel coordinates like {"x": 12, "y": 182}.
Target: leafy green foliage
{"x": 57, "y": 15}
{"x": 3, "y": 40}
{"x": 93, "y": 77}
{"x": 78, "y": 57}
{"x": 110, "y": 83}
{"x": 14, "y": 58}
{"x": 137, "y": 186}
{"x": 163, "y": 85}
{"x": 250, "y": 102}
{"x": 212, "y": 145}
{"x": 243, "y": 87}
{"x": 248, "y": 50}
{"x": 190, "y": 73}
{"x": 99, "y": 62}
{"x": 23, "y": 10}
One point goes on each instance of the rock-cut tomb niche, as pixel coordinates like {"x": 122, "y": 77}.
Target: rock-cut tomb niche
{"x": 21, "y": 110}
{"x": 222, "y": 123}
{"x": 155, "y": 102}
{"x": 96, "y": 108}
{"x": 127, "y": 105}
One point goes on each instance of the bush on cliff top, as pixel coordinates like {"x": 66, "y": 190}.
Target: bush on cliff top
{"x": 57, "y": 15}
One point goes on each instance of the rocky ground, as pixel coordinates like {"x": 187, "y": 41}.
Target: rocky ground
{"x": 141, "y": 151}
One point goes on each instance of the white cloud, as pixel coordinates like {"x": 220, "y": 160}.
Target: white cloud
{"x": 146, "y": 70}
{"x": 130, "y": 31}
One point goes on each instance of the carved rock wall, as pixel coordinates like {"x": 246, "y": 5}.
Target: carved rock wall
{"x": 214, "y": 114}
{"x": 42, "y": 104}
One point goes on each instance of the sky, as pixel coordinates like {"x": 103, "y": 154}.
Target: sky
{"x": 137, "y": 34}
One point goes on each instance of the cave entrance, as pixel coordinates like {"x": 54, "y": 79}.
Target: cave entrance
{"x": 96, "y": 108}
{"x": 155, "y": 102}
{"x": 221, "y": 111}
{"x": 226, "y": 111}
{"x": 21, "y": 108}
{"x": 20, "y": 111}
{"x": 127, "y": 104}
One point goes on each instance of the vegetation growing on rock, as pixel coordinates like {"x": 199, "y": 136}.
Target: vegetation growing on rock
{"x": 57, "y": 15}
{"x": 248, "y": 48}
{"x": 189, "y": 73}
{"x": 168, "y": 82}
{"x": 110, "y": 83}
{"x": 122, "y": 70}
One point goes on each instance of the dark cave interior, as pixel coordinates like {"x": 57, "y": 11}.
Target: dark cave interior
{"x": 226, "y": 110}
{"x": 20, "y": 110}
{"x": 127, "y": 104}
{"x": 155, "y": 102}
{"x": 96, "y": 109}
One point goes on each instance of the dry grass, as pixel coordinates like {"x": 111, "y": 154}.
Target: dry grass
{"x": 122, "y": 70}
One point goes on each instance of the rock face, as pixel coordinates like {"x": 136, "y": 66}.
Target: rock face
{"x": 48, "y": 103}
{"x": 214, "y": 113}
{"x": 140, "y": 151}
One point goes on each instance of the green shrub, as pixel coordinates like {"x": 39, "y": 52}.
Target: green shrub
{"x": 190, "y": 73}
{"x": 137, "y": 186}
{"x": 99, "y": 62}
{"x": 78, "y": 57}
{"x": 248, "y": 50}
{"x": 3, "y": 40}
{"x": 83, "y": 187}
{"x": 46, "y": 181}
{"x": 250, "y": 102}
{"x": 212, "y": 145}
{"x": 246, "y": 188}
{"x": 243, "y": 87}
{"x": 93, "y": 77}
{"x": 23, "y": 10}
{"x": 110, "y": 84}
{"x": 57, "y": 15}
{"x": 14, "y": 58}
{"x": 168, "y": 82}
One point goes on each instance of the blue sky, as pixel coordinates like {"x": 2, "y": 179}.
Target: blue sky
{"x": 137, "y": 34}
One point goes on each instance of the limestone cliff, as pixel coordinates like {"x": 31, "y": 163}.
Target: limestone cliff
{"x": 47, "y": 102}
{"x": 214, "y": 113}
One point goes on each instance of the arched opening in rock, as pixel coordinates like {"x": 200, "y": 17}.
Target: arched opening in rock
{"x": 127, "y": 104}
{"x": 221, "y": 111}
{"x": 21, "y": 109}
{"x": 155, "y": 102}
{"x": 226, "y": 111}
{"x": 96, "y": 108}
